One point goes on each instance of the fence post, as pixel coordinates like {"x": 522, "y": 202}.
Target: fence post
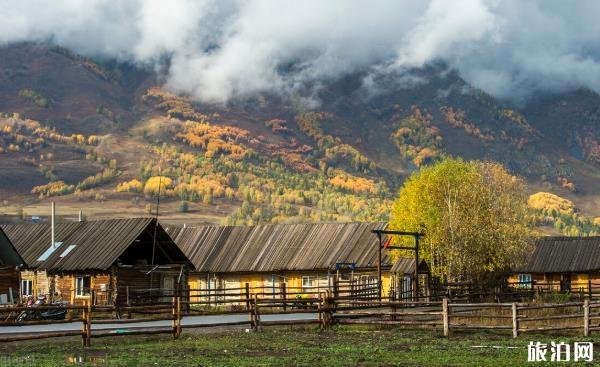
{"x": 256, "y": 313}
{"x": 586, "y": 317}
{"x": 590, "y": 289}
{"x": 284, "y": 296}
{"x": 86, "y": 318}
{"x": 336, "y": 286}
{"x": 515, "y": 320}
{"x": 83, "y": 326}
{"x": 320, "y": 310}
{"x": 445, "y": 316}
{"x": 179, "y": 316}
{"x": 174, "y": 318}
{"x": 329, "y": 309}
{"x": 89, "y": 325}
{"x": 247, "y": 286}
{"x": 251, "y": 315}
{"x": 127, "y": 296}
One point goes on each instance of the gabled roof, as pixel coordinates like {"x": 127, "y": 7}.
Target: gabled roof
{"x": 88, "y": 245}
{"x": 564, "y": 254}
{"x": 32, "y": 239}
{"x": 277, "y": 247}
{"x": 8, "y": 254}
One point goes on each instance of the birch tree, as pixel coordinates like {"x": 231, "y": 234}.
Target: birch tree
{"x": 474, "y": 215}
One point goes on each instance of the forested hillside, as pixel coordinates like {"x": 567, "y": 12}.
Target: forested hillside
{"x": 109, "y": 137}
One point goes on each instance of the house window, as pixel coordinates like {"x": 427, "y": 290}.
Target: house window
{"x": 82, "y": 285}
{"x": 307, "y": 282}
{"x": 524, "y": 281}
{"x": 345, "y": 276}
{"x": 27, "y": 287}
{"x": 368, "y": 280}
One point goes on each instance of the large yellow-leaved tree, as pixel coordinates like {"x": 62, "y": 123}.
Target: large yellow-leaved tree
{"x": 474, "y": 215}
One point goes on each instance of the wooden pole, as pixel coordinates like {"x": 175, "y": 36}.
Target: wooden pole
{"x": 179, "y": 316}
{"x": 336, "y": 284}
{"x": 416, "y": 267}
{"x": 89, "y": 325}
{"x": 247, "y": 286}
{"x": 284, "y": 295}
{"x": 320, "y": 310}
{"x": 515, "y": 321}
{"x": 83, "y": 326}
{"x": 256, "y": 313}
{"x": 590, "y": 289}
{"x": 379, "y": 281}
{"x": 445, "y": 317}
{"x": 586, "y": 317}
{"x": 174, "y": 318}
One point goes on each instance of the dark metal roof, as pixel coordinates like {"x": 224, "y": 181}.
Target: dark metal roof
{"x": 8, "y": 253}
{"x": 32, "y": 239}
{"x": 267, "y": 248}
{"x": 95, "y": 245}
{"x": 564, "y": 254}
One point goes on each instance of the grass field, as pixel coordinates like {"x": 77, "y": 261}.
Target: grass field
{"x": 284, "y": 346}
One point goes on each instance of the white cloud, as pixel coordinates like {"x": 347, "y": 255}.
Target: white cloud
{"x": 219, "y": 49}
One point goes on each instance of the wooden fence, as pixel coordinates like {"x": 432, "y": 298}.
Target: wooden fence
{"x": 350, "y": 289}
{"x": 328, "y": 309}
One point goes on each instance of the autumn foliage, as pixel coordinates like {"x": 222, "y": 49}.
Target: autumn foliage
{"x": 548, "y": 202}
{"x": 474, "y": 215}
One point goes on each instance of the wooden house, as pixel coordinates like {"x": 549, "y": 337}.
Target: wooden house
{"x": 10, "y": 265}
{"x": 108, "y": 261}
{"x": 309, "y": 257}
{"x": 561, "y": 264}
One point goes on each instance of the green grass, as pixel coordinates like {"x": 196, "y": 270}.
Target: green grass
{"x": 284, "y": 346}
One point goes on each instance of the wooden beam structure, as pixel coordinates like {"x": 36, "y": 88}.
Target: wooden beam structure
{"x": 416, "y": 236}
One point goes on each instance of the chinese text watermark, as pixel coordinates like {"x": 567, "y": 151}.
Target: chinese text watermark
{"x": 560, "y": 352}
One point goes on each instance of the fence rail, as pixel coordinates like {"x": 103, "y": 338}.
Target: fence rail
{"x": 449, "y": 315}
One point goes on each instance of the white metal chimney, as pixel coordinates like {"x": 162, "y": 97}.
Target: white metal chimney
{"x": 81, "y": 215}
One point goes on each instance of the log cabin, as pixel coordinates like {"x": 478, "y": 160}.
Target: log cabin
{"x": 100, "y": 260}
{"x": 305, "y": 258}
{"x": 567, "y": 264}
{"x": 10, "y": 265}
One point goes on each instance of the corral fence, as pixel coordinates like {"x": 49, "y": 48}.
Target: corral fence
{"x": 324, "y": 309}
{"x": 464, "y": 292}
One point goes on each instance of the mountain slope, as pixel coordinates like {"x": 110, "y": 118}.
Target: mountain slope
{"x": 105, "y": 129}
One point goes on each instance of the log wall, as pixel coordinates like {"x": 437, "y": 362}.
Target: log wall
{"x": 10, "y": 279}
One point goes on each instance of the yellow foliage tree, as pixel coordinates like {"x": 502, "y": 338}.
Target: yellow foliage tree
{"x": 547, "y": 202}
{"x": 156, "y": 184}
{"x": 130, "y": 186}
{"x": 352, "y": 183}
{"x": 474, "y": 215}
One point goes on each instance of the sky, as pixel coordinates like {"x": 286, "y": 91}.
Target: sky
{"x": 216, "y": 50}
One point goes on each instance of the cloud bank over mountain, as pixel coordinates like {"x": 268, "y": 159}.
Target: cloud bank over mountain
{"x": 219, "y": 49}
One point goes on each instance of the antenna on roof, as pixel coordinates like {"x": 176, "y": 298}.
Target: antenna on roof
{"x": 157, "y": 202}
